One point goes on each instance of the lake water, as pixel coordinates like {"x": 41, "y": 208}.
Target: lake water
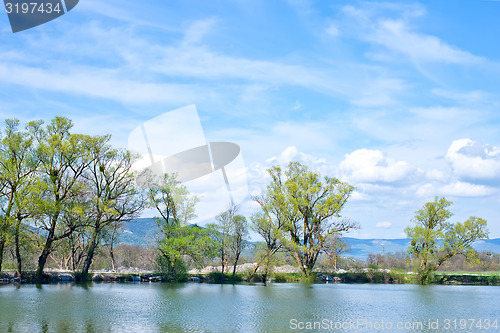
{"x": 191, "y": 307}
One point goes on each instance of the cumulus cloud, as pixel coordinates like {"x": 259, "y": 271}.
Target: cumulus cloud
{"x": 372, "y": 166}
{"x": 258, "y": 176}
{"x": 384, "y": 224}
{"x": 426, "y": 190}
{"x": 462, "y": 189}
{"x": 359, "y": 196}
{"x": 458, "y": 189}
{"x": 293, "y": 154}
{"x": 436, "y": 174}
{"x": 474, "y": 160}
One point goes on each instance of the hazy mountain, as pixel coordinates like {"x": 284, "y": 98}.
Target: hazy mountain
{"x": 143, "y": 232}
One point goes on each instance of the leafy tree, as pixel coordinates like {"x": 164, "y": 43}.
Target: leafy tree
{"x": 176, "y": 206}
{"x": 62, "y": 157}
{"x": 435, "y": 240}
{"x": 17, "y": 175}
{"x": 334, "y": 247}
{"x": 308, "y": 208}
{"x": 110, "y": 238}
{"x": 238, "y": 239}
{"x": 221, "y": 231}
{"x": 112, "y": 195}
{"x": 269, "y": 225}
{"x": 69, "y": 253}
{"x": 231, "y": 231}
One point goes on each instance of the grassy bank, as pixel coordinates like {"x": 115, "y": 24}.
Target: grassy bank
{"x": 468, "y": 278}
{"x": 363, "y": 276}
{"x": 369, "y": 276}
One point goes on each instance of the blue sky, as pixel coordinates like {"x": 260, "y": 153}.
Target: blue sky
{"x": 400, "y": 99}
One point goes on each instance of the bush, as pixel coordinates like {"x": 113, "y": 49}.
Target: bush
{"x": 216, "y": 277}
{"x": 175, "y": 272}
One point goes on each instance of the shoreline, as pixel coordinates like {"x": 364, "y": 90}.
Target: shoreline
{"x": 365, "y": 276}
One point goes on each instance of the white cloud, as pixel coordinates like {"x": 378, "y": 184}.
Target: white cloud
{"x": 359, "y": 196}
{"x": 100, "y": 83}
{"x": 384, "y": 224}
{"x": 425, "y": 190}
{"x": 396, "y": 36}
{"x": 436, "y": 174}
{"x": 293, "y": 154}
{"x": 439, "y": 113}
{"x": 258, "y": 176}
{"x": 371, "y": 166}
{"x": 473, "y": 160}
{"x": 333, "y": 30}
{"x": 473, "y": 96}
{"x": 196, "y": 31}
{"x": 458, "y": 189}
{"x": 379, "y": 92}
{"x": 462, "y": 189}
{"x": 376, "y": 24}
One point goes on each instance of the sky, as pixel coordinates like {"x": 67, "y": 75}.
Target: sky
{"x": 400, "y": 99}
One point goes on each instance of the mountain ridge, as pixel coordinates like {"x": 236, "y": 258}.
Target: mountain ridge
{"x": 143, "y": 232}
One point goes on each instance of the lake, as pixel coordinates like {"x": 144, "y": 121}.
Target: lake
{"x": 192, "y": 307}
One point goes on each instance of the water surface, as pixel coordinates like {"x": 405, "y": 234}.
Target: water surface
{"x": 145, "y": 307}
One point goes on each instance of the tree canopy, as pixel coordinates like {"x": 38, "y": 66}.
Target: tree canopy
{"x": 434, "y": 239}
{"x": 303, "y": 209}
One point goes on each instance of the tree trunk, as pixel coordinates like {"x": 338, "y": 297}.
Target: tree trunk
{"x": 18, "y": 252}
{"x": 222, "y": 262}
{"x": 2, "y": 245}
{"x": 253, "y": 272}
{"x": 112, "y": 255}
{"x": 266, "y": 272}
{"x": 111, "y": 248}
{"x": 90, "y": 256}
{"x": 235, "y": 264}
{"x": 301, "y": 265}
{"x": 42, "y": 260}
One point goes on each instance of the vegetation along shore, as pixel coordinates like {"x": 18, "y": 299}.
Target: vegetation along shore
{"x": 67, "y": 200}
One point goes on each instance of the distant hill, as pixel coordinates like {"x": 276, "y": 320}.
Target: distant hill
{"x": 141, "y": 232}
{"x": 360, "y": 248}
{"x": 144, "y": 231}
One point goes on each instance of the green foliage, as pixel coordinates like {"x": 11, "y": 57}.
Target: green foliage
{"x": 17, "y": 169}
{"x": 192, "y": 241}
{"x": 176, "y": 207}
{"x": 111, "y": 197}
{"x": 435, "y": 240}
{"x": 230, "y": 233}
{"x": 60, "y": 183}
{"x": 288, "y": 277}
{"x": 172, "y": 270}
{"x": 302, "y": 211}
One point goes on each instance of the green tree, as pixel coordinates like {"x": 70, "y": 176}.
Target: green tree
{"x": 62, "y": 157}
{"x": 221, "y": 231}
{"x": 269, "y": 225}
{"x": 111, "y": 193}
{"x": 435, "y": 240}
{"x": 308, "y": 208}
{"x": 238, "y": 239}
{"x": 334, "y": 247}
{"x": 17, "y": 172}
{"x": 231, "y": 231}
{"x": 176, "y": 206}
